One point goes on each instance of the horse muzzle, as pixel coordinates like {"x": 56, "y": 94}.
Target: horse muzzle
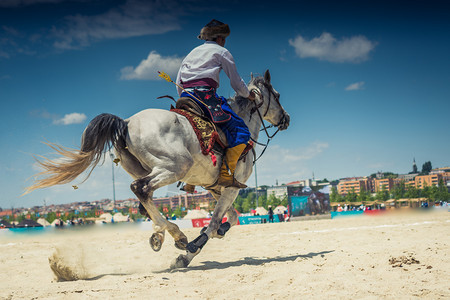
{"x": 284, "y": 123}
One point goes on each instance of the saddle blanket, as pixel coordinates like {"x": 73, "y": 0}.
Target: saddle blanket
{"x": 206, "y": 132}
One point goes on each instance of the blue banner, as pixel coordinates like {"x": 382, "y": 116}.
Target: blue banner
{"x": 298, "y": 205}
{"x": 352, "y": 213}
{"x": 257, "y": 219}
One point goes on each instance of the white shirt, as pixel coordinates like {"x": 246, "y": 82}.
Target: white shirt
{"x": 206, "y": 61}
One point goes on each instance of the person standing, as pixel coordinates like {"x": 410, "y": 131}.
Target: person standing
{"x": 270, "y": 214}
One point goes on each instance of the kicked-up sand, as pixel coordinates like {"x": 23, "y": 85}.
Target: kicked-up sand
{"x": 392, "y": 256}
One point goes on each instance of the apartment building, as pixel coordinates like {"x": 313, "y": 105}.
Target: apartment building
{"x": 355, "y": 184}
{"x": 378, "y": 184}
{"x": 427, "y": 180}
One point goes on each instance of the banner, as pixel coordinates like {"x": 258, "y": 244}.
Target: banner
{"x": 298, "y": 206}
{"x": 205, "y": 222}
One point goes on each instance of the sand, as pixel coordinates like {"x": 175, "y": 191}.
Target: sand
{"x": 401, "y": 256}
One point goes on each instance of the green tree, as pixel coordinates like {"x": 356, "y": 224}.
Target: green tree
{"x": 274, "y": 201}
{"x": 334, "y": 196}
{"x": 383, "y": 194}
{"x": 443, "y": 194}
{"x": 425, "y": 192}
{"x": 399, "y": 190}
{"x": 412, "y": 192}
{"x": 363, "y": 195}
{"x": 351, "y": 196}
{"x": 434, "y": 193}
{"x": 238, "y": 203}
{"x": 426, "y": 168}
{"x": 246, "y": 205}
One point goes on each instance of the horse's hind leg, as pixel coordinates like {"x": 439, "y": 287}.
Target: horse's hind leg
{"x": 143, "y": 188}
{"x": 215, "y": 225}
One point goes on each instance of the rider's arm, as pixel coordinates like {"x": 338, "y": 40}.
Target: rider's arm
{"x": 237, "y": 83}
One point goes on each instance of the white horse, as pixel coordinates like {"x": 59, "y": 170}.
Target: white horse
{"x": 159, "y": 147}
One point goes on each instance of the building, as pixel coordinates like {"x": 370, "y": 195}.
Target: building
{"x": 427, "y": 180}
{"x": 387, "y": 183}
{"x": 198, "y": 200}
{"x": 355, "y": 184}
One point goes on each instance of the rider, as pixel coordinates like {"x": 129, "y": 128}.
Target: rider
{"x": 199, "y": 76}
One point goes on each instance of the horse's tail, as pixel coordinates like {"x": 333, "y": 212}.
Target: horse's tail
{"x": 102, "y": 133}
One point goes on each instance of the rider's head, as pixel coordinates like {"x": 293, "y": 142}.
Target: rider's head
{"x": 215, "y": 31}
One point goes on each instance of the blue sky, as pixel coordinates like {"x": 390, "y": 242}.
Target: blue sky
{"x": 367, "y": 83}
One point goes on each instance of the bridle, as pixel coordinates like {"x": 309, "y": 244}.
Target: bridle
{"x": 256, "y": 108}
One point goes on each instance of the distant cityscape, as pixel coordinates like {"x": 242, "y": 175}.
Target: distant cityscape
{"x": 378, "y": 182}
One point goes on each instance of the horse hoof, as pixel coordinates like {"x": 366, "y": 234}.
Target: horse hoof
{"x": 156, "y": 241}
{"x": 180, "y": 262}
{"x": 181, "y": 243}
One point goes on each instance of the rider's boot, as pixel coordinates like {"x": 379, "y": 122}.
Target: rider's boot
{"x": 232, "y": 156}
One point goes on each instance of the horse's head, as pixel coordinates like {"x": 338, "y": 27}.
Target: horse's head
{"x": 268, "y": 102}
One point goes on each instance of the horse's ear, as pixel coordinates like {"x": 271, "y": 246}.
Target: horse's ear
{"x": 251, "y": 76}
{"x": 267, "y": 76}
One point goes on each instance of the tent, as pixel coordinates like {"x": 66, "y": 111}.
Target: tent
{"x": 105, "y": 218}
{"x": 28, "y": 224}
{"x": 5, "y": 224}
{"x": 196, "y": 214}
{"x": 43, "y": 222}
{"x": 261, "y": 211}
{"x": 280, "y": 209}
{"x": 119, "y": 217}
{"x": 56, "y": 222}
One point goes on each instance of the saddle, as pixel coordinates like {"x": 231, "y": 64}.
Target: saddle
{"x": 212, "y": 140}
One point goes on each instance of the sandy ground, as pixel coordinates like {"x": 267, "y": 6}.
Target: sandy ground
{"x": 402, "y": 256}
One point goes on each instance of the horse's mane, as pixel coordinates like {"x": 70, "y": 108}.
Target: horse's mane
{"x": 243, "y": 103}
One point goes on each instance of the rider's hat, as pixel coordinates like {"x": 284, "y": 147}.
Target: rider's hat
{"x": 213, "y": 30}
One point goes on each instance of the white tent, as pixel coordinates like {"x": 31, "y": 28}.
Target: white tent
{"x": 196, "y": 214}
{"x": 55, "y": 222}
{"x": 118, "y": 217}
{"x": 43, "y": 222}
{"x": 261, "y": 211}
{"x": 104, "y": 218}
{"x": 280, "y": 209}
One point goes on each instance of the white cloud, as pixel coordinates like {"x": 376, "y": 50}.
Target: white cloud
{"x": 149, "y": 67}
{"x": 355, "y": 86}
{"x": 73, "y": 118}
{"x": 134, "y": 18}
{"x": 326, "y": 47}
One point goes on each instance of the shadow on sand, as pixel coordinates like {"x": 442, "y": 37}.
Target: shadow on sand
{"x": 250, "y": 261}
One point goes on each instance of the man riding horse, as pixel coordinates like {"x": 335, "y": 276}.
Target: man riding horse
{"x": 199, "y": 77}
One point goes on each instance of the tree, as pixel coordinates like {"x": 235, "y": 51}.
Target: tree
{"x": 383, "y": 194}
{"x": 363, "y": 195}
{"x": 426, "y": 168}
{"x": 411, "y": 192}
{"x": 399, "y": 190}
{"x": 351, "y": 196}
{"x": 334, "y": 196}
{"x": 238, "y": 203}
{"x": 274, "y": 201}
{"x": 246, "y": 205}
{"x": 443, "y": 194}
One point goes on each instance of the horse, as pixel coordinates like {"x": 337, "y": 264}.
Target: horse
{"x": 159, "y": 147}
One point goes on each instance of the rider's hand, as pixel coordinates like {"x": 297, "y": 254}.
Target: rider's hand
{"x": 252, "y": 96}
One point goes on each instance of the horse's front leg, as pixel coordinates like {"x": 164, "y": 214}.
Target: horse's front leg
{"x": 214, "y": 229}
{"x": 143, "y": 190}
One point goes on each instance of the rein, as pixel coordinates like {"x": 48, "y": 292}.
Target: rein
{"x": 261, "y": 117}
